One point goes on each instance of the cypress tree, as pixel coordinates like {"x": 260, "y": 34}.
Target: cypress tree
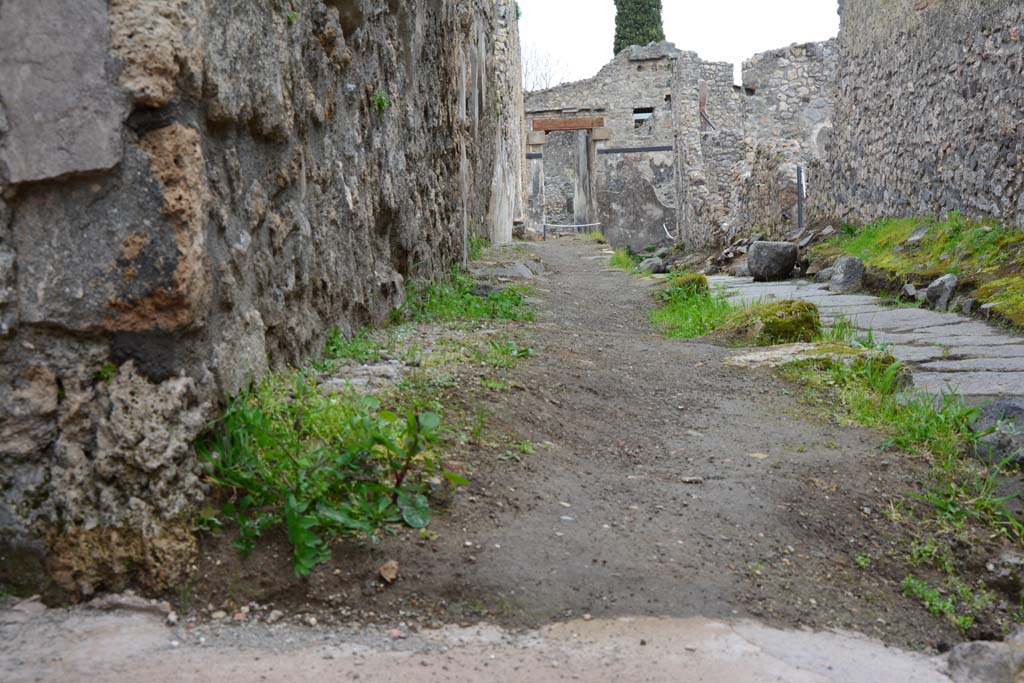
{"x": 637, "y": 22}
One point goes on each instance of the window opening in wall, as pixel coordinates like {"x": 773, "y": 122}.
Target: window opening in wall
{"x": 641, "y": 114}
{"x": 749, "y": 90}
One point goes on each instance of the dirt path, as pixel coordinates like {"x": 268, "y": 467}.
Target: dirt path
{"x": 670, "y": 485}
{"x": 665, "y": 484}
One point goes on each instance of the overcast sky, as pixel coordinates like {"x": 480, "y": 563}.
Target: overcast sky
{"x": 577, "y": 34}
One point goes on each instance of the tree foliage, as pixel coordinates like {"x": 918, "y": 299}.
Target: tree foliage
{"x": 637, "y": 22}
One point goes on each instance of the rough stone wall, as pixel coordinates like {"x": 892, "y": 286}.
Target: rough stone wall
{"x": 736, "y": 166}
{"x": 192, "y": 191}
{"x": 789, "y": 93}
{"x": 638, "y": 77}
{"x": 928, "y": 116}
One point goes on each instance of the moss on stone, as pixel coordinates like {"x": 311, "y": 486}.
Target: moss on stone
{"x": 779, "y": 322}
{"x": 694, "y": 283}
{"x": 987, "y": 257}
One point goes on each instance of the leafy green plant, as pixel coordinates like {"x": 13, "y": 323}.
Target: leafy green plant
{"x": 931, "y": 597}
{"x": 684, "y": 285}
{"x": 597, "y": 237}
{"x": 957, "y": 601}
{"x": 292, "y": 18}
{"x": 380, "y": 101}
{"x": 287, "y": 454}
{"x": 843, "y": 331}
{"x": 106, "y": 373}
{"x": 453, "y": 298}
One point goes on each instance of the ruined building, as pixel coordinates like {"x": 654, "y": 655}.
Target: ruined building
{"x": 662, "y": 139}
{"x": 192, "y": 192}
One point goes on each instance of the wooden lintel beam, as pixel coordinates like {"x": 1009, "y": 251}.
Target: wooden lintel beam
{"x": 569, "y": 123}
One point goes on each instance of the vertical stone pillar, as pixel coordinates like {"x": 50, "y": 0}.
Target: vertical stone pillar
{"x": 535, "y": 217}
{"x": 583, "y": 198}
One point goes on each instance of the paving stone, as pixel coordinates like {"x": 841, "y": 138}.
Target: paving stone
{"x": 993, "y": 351}
{"x": 969, "y": 364}
{"x": 916, "y": 354}
{"x": 964, "y": 328}
{"x": 972, "y": 383}
{"x": 945, "y": 350}
{"x": 904, "y": 319}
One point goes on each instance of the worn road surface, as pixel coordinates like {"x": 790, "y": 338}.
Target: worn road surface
{"x": 687, "y": 520}
{"x": 946, "y": 351}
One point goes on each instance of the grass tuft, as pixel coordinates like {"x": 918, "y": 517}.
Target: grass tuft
{"x": 624, "y": 260}
{"x": 452, "y": 298}
{"x": 690, "y": 310}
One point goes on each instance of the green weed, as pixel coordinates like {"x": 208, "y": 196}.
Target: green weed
{"x": 502, "y": 354}
{"x": 958, "y": 602}
{"x": 106, "y": 373}
{"x": 623, "y": 260}
{"x": 872, "y": 391}
{"x": 597, "y": 237}
{"x": 361, "y": 348}
{"x": 493, "y": 384}
{"x": 320, "y": 465}
{"x": 380, "y": 101}
{"x": 452, "y": 298}
{"x": 477, "y": 246}
{"x": 931, "y": 597}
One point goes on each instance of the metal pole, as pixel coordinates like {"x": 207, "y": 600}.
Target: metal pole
{"x": 800, "y": 198}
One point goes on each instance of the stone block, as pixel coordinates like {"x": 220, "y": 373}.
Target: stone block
{"x": 63, "y": 112}
{"x": 118, "y": 254}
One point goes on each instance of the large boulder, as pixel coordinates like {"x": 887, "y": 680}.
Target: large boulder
{"x": 940, "y": 292}
{"x": 1003, "y": 419}
{"x": 772, "y": 260}
{"x": 847, "y": 275}
{"x": 653, "y": 265}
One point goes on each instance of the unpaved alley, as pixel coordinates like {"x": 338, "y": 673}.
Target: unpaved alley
{"x": 665, "y": 484}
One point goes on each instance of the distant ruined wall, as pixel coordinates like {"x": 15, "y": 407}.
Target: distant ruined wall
{"x": 192, "y": 191}
{"x": 736, "y": 164}
{"x": 928, "y": 112}
{"x": 632, "y": 177}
